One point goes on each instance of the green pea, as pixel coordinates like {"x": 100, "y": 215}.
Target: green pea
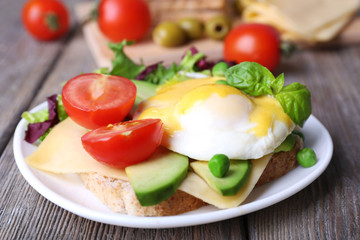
{"x": 221, "y": 82}
{"x": 219, "y": 165}
{"x": 306, "y": 157}
{"x": 298, "y": 133}
{"x": 219, "y": 69}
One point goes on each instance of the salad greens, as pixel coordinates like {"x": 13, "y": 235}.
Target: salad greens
{"x": 256, "y": 80}
{"x": 41, "y": 122}
{"x": 122, "y": 64}
{"x": 39, "y": 116}
{"x": 156, "y": 73}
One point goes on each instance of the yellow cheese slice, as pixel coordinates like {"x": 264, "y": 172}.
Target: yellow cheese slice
{"x": 308, "y": 20}
{"x": 197, "y": 187}
{"x": 62, "y": 152}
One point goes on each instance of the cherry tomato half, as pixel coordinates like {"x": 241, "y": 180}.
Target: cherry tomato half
{"x": 93, "y": 100}
{"x": 45, "y": 19}
{"x": 124, "y": 143}
{"x": 253, "y": 42}
{"x": 124, "y": 19}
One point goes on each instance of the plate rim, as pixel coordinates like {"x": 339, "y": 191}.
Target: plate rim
{"x": 164, "y": 221}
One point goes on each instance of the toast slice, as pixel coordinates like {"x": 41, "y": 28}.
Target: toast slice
{"x": 119, "y": 196}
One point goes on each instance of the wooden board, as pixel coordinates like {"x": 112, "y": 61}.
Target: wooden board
{"x": 147, "y": 52}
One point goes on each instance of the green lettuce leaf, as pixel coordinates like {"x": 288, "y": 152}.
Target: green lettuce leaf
{"x": 42, "y": 117}
{"x": 122, "y": 64}
{"x": 162, "y": 74}
{"x": 103, "y": 70}
{"x": 39, "y": 116}
{"x": 189, "y": 61}
{"x": 62, "y": 115}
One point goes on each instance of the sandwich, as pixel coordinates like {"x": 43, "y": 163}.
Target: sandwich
{"x": 246, "y": 116}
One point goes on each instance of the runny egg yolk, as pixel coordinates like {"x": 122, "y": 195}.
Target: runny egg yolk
{"x": 217, "y": 114}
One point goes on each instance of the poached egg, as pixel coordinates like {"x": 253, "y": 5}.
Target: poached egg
{"x": 201, "y": 118}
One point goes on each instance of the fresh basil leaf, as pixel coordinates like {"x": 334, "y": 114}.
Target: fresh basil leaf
{"x": 295, "y": 99}
{"x": 122, "y": 64}
{"x": 252, "y": 78}
{"x": 278, "y": 84}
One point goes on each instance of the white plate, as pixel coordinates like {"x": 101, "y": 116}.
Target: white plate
{"x": 68, "y": 192}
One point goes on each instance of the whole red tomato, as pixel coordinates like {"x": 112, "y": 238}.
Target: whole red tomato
{"x": 124, "y": 19}
{"x": 45, "y": 19}
{"x": 253, "y": 42}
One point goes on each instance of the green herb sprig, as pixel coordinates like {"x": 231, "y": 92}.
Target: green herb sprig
{"x": 256, "y": 80}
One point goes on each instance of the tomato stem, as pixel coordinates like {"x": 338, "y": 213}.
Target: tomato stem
{"x": 287, "y": 49}
{"x": 52, "y": 21}
{"x": 94, "y": 13}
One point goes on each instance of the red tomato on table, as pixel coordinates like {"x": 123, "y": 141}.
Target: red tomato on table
{"x": 124, "y": 143}
{"x": 124, "y": 19}
{"x": 253, "y": 42}
{"x": 45, "y": 19}
{"x": 93, "y": 100}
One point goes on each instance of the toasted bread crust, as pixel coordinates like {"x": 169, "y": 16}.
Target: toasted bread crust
{"x": 120, "y": 197}
{"x": 281, "y": 163}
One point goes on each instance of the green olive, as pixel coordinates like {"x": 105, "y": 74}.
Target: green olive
{"x": 306, "y": 157}
{"x": 219, "y": 165}
{"x": 169, "y": 34}
{"x": 219, "y": 69}
{"x": 193, "y": 27}
{"x": 217, "y": 27}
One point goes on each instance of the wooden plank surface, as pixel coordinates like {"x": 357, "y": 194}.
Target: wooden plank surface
{"x": 328, "y": 209}
{"x": 20, "y": 77}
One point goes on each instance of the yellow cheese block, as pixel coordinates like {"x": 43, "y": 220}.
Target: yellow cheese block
{"x": 62, "y": 152}
{"x": 196, "y": 186}
{"x": 306, "y": 20}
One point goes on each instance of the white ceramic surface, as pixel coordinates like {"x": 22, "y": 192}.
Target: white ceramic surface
{"x": 68, "y": 192}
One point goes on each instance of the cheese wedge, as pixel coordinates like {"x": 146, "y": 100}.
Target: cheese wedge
{"x": 197, "y": 187}
{"x": 62, "y": 152}
{"x": 306, "y": 20}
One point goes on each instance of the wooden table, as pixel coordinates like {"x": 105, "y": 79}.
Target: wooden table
{"x": 329, "y": 208}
